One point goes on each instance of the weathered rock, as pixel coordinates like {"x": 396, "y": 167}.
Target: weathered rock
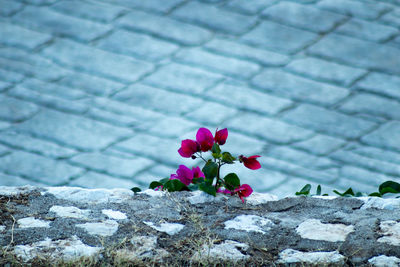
{"x": 64, "y": 224}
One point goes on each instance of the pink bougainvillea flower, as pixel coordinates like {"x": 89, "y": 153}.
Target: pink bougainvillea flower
{"x": 158, "y": 188}
{"x": 205, "y": 138}
{"x": 221, "y": 136}
{"x": 188, "y": 148}
{"x": 186, "y": 175}
{"x": 224, "y": 191}
{"x": 250, "y": 162}
{"x": 244, "y": 191}
{"x": 197, "y": 173}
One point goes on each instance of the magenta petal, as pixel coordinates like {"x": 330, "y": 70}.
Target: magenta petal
{"x": 185, "y": 175}
{"x": 188, "y": 148}
{"x": 197, "y": 173}
{"x": 205, "y": 138}
{"x": 221, "y": 136}
{"x": 251, "y": 162}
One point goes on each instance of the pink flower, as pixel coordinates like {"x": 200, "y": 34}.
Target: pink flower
{"x": 224, "y": 191}
{"x": 186, "y": 175}
{"x": 188, "y": 148}
{"x": 250, "y": 162}
{"x": 221, "y": 136}
{"x": 205, "y": 138}
{"x": 244, "y": 191}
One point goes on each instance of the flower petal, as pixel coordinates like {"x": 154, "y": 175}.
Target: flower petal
{"x": 221, "y": 136}
{"x": 184, "y": 174}
{"x": 205, "y": 138}
{"x": 197, "y": 173}
{"x": 251, "y": 162}
{"x": 188, "y": 148}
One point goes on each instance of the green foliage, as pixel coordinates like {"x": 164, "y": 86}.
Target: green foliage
{"x": 228, "y": 158}
{"x": 232, "y": 181}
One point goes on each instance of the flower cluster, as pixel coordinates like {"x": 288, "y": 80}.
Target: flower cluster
{"x": 208, "y": 178}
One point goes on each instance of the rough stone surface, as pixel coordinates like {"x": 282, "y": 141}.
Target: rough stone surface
{"x": 69, "y": 223}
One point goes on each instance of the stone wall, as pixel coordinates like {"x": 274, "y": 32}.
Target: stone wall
{"x": 58, "y": 224}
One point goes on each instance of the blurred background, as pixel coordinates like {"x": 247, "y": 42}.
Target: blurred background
{"x": 100, "y": 93}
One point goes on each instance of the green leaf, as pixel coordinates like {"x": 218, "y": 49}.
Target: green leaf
{"x": 193, "y": 187}
{"x": 349, "y": 192}
{"x": 175, "y": 185}
{"x": 216, "y": 155}
{"x": 375, "y": 194}
{"x": 228, "y": 158}
{"x": 209, "y": 189}
{"x": 319, "y": 190}
{"x": 136, "y": 190}
{"x": 210, "y": 170}
{"x": 231, "y": 181}
{"x": 198, "y": 180}
{"x": 216, "y": 149}
{"x": 305, "y": 190}
{"x": 155, "y": 184}
{"x": 389, "y": 187}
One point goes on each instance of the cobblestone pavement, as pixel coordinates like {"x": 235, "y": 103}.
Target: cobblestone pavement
{"x": 100, "y": 93}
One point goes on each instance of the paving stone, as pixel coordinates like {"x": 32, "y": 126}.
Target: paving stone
{"x": 232, "y": 48}
{"x": 44, "y": 19}
{"x": 248, "y": 99}
{"x": 377, "y": 153}
{"x": 35, "y": 145}
{"x": 303, "y": 16}
{"x": 364, "y": 9}
{"x": 364, "y": 176}
{"x": 299, "y": 88}
{"x": 164, "y": 27}
{"x": 211, "y": 113}
{"x": 270, "y": 129}
{"x": 112, "y": 118}
{"x": 8, "y": 7}
{"x": 53, "y": 89}
{"x": 110, "y": 164}
{"x": 381, "y": 83}
{"x": 367, "y": 30}
{"x": 372, "y": 104}
{"x": 15, "y": 110}
{"x": 392, "y": 18}
{"x": 172, "y": 127}
{"x": 91, "y": 84}
{"x": 386, "y": 136}
{"x": 48, "y": 100}
{"x": 158, "y": 99}
{"x": 93, "y": 60}
{"x": 153, "y": 5}
{"x": 182, "y": 78}
{"x": 40, "y": 2}
{"x": 137, "y": 45}
{"x": 293, "y": 185}
{"x": 4, "y": 125}
{"x": 30, "y": 64}
{"x": 4, "y": 150}
{"x": 326, "y": 70}
{"x": 361, "y": 161}
{"x": 4, "y": 85}
{"x": 75, "y": 131}
{"x": 11, "y": 180}
{"x": 218, "y": 63}
{"x": 214, "y": 18}
{"x": 279, "y": 37}
{"x": 356, "y": 52}
{"x": 159, "y": 149}
{"x": 89, "y": 9}
{"x": 10, "y": 76}
{"x": 328, "y": 121}
{"x": 249, "y": 7}
{"x": 97, "y": 180}
{"x": 325, "y": 176}
{"x": 13, "y": 35}
{"x": 320, "y": 144}
{"x": 300, "y": 158}
{"x": 355, "y": 185}
{"x": 40, "y": 169}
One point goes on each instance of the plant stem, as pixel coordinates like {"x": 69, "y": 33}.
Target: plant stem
{"x": 218, "y": 178}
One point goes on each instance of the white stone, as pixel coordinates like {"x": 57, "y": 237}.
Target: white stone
{"x": 250, "y": 223}
{"x": 314, "y": 229}
{"x": 325, "y": 197}
{"x": 70, "y": 212}
{"x": 143, "y": 247}
{"x": 31, "y": 222}
{"x": 153, "y": 193}
{"x": 169, "y": 228}
{"x": 380, "y": 203}
{"x": 106, "y": 228}
{"x": 199, "y": 197}
{"x": 67, "y": 249}
{"x": 260, "y": 198}
{"x": 384, "y": 261}
{"x": 227, "y": 250}
{"x": 391, "y": 233}
{"x": 294, "y": 256}
{"x": 13, "y": 190}
{"x": 2, "y": 228}
{"x": 114, "y": 214}
{"x": 90, "y": 196}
